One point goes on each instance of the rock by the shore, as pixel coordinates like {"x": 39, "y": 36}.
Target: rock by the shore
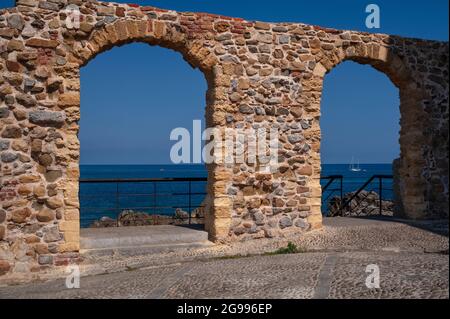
{"x": 104, "y": 222}
{"x": 365, "y": 204}
{"x": 181, "y": 214}
{"x": 131, "y": 218}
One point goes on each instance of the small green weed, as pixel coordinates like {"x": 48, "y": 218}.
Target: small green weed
{"x": 290, "y": 249}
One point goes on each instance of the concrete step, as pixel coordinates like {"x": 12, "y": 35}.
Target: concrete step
{"x": 143, "y": 250}
{"x": 140, "y": 240}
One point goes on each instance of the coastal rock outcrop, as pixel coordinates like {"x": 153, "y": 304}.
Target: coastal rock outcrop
{"x": 129, "y": 218}
{"x": 366, "y": 203}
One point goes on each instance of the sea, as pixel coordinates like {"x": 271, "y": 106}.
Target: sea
{"x": 100, "y": 199}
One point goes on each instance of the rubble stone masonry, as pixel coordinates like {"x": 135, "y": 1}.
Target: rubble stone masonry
{"x": 259, "y": 75}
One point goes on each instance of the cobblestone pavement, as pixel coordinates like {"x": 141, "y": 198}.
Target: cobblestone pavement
{"x": 413, "y": 263}
{"x": 307, "y": 275}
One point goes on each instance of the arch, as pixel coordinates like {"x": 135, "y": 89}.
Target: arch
{"x": 360, "y": 116}
{"x": 256, "y": 72}
{"x": 409, "y": 190}
{"x": 197, "y": 55}
{"x": 158, "y": 33}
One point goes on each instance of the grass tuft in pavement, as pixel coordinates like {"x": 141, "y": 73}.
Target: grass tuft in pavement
{"x": 290, "y": 249}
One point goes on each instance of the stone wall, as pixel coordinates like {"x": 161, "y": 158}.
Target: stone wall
{"x": 259, "y": 75}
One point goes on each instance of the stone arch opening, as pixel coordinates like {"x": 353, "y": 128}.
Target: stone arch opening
{"x": 132, "y": 97}
{"x": 154, "y": 33}
{"x": 409, "y": 194}
{"x": 360, "y": 116}
{"x": 360, "y": 125}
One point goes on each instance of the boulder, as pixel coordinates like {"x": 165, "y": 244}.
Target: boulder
{"x": 181, "y": 214}
{"x": 104, "y": 222}
{"x": 365, "y": 204}
{"x": 131, "y": 218}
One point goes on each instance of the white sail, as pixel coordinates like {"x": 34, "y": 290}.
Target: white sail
{"x": 354, "y": 168}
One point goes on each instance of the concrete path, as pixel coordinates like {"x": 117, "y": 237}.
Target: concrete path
{"x": 154, "y": 239}
{"x": 309, "y": 275}
{"x": 412, "y": 260}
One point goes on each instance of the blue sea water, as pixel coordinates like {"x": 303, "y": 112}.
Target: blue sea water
{"x": 100, "y": 199}
{"x": 352, "y": 181}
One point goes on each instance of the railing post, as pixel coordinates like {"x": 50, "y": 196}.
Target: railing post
{"x": 342, "y": 191}
{"x": 154, "y": 198}
{"x": 190, "y": 202}
{"x": 117, "y": 204}
{"x": 381, "y": 196}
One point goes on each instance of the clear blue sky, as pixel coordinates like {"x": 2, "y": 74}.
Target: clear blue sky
{"x": 360, "y": 105}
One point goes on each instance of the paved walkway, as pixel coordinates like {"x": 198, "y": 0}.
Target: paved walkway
{"x": 155, "y": 238}
{"x": 309, "y": 275}
{"x": 413, "y": 262}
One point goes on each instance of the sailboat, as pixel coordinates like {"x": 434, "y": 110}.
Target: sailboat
{"x": 355, "y": 168}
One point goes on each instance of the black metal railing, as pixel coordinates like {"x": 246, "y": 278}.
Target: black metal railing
{"x": 165, "y": 202}
{"x": 368, "y": 187}
{"x": 334, "y": 185}
{"x": 338, "y": 199}
{"x": 114, "y": 200}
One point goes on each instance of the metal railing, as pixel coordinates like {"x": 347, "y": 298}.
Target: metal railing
{"x": 379, "y": 187}
{"x": 334, "y": 185}
{"x": 329, "y": 189}
{"x": 154, "y": 202}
